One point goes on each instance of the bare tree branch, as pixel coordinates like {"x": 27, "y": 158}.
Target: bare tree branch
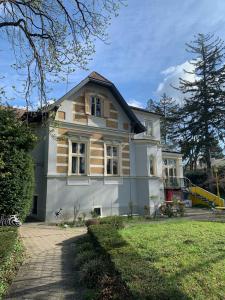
{"x": 54, "y": 37}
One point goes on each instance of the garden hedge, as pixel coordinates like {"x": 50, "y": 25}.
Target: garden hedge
{"x": 110, "y": 286}
{"x": 11, "y": 256}
{"x": 16, "y": 165}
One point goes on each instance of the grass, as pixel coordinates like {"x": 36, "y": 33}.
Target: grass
{"x": 178, "y": 259}
{"x": 11, "y": 253}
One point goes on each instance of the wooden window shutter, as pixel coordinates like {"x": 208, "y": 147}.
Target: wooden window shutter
{"x": 106, "y": 108}
{"x": 87, "y": 104}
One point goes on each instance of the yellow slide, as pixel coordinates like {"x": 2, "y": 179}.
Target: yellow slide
{"x": 201, "y": 196}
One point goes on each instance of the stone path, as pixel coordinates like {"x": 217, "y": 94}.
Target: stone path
{"x": 201, "y": 214}
{"x": 47, "y": 272}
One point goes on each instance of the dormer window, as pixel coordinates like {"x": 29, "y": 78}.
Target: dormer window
{"x": 96, "y": 106}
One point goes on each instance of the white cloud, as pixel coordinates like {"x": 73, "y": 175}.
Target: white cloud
{"x": 135, "y": 103}
{"x": 171, "y": 80}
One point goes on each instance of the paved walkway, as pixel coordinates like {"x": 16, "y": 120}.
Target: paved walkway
{"x": 47, "y": 272}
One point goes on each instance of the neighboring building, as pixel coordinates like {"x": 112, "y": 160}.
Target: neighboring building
{"x": 97, "y": 153}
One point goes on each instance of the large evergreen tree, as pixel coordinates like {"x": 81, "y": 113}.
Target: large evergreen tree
{"x": 168, "y": 108}
{"x": 203, "y": 113}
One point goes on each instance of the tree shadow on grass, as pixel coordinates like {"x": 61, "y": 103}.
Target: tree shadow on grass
{"x": 140, "y": 277}
{"x": 144, "y": 280}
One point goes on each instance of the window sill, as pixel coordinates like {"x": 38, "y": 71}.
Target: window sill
{"x": 77, "y": 175}
{"x": 150, "y": 136}
{"x": 154, "y": 176}
{"x": 78, "y": 180}
{"x": 113, "y": 180}
{"x": 95, "y": 117}
{"x": 111, "y": 175}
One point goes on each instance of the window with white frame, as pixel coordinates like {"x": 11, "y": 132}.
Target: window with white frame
{"x": 152, "y": 166}
{"x": 170, "y": 167}
{"x": 149, "y": 126}
{"x": 78, "y": 158}
{"x": 112, "y": 160}
{"x": 96, "y": 106}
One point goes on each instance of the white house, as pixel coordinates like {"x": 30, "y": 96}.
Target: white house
{"x": 95, "y": 152}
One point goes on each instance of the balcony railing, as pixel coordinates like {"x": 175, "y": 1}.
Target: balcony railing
{"x": 175, "y": 182}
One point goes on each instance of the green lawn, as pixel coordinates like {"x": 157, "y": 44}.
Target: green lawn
{"x": 10, "y": 256}
{"x": 170, "y": 260}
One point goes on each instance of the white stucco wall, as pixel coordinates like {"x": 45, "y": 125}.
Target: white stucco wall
{"x": 40, "y": 157}
{"x": 112, "y": 198}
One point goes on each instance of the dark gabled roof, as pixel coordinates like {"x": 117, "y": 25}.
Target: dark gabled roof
{"x": 146, "y": 111}
{"x": 18, "y": 111}
{"x": 95, "y": 77}
{"x": 171, "y": 151}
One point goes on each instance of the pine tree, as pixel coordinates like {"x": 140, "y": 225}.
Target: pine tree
{"x": 203, "y": 113}
{"x": 168, "y": 108}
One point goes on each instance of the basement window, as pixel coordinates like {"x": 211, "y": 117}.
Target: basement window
{"x": 98, "y": 211}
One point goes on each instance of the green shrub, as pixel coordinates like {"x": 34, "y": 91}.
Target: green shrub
{"x": 91, "y": 294}
{"x": 84, "y": 247}
{"x": 107, "y": 240}
{"x": 83, "y": 239}
{"x": 92, "y": 222}
{"x": 8, "y": 236}
{"x": 85, "y": 256}
{"x": 197, "y": 177}
{"x": 115, "y": 221}
{"x": 16, "y": 167}
{"x": 113, "y": 288}
{"x": 11, "y": 256}
{"x": 92, "y": 272}
{"x": 107, "y": 236}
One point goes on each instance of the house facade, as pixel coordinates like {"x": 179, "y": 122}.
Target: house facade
{"x": 97, "y": 153}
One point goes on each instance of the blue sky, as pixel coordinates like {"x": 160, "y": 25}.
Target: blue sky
{"x": 146, "y": 50}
